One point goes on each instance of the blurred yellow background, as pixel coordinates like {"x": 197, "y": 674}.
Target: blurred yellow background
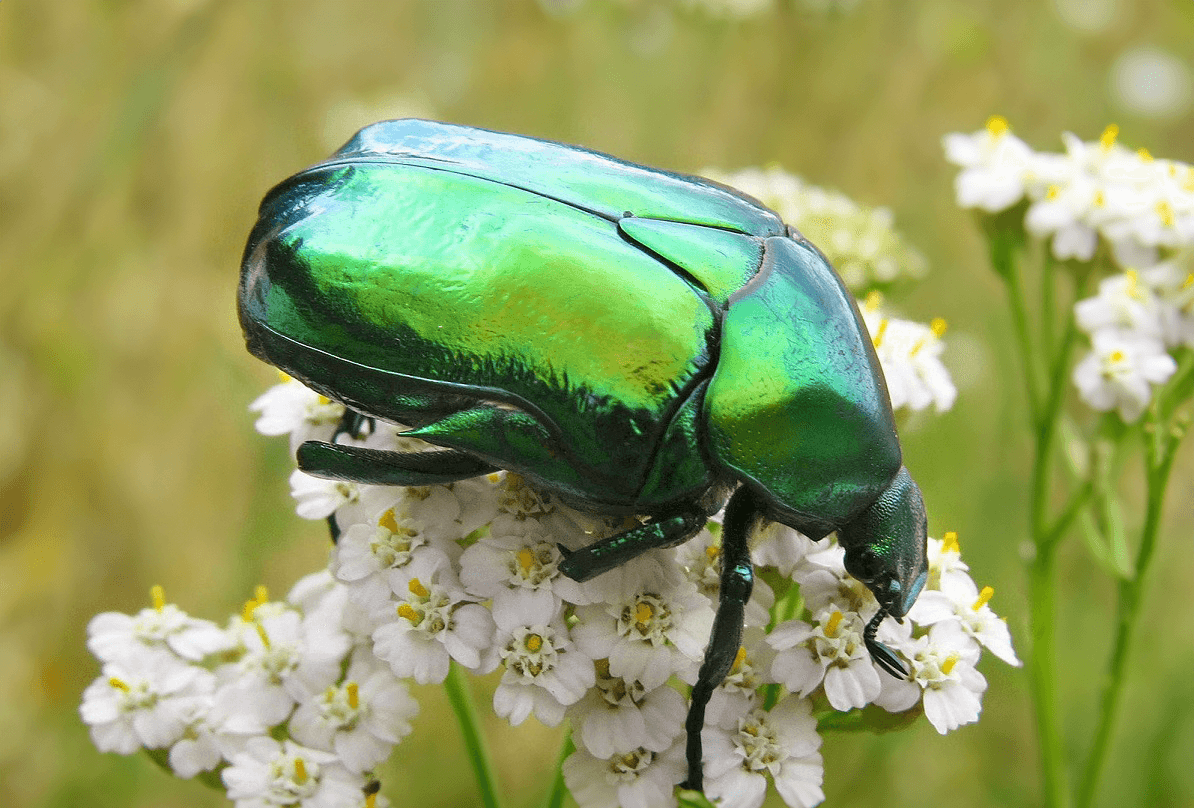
{"x": 136, "y": 139}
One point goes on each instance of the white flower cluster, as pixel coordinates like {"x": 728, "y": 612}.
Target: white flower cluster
{"x": 1137, "y": 203}
{"x": 209, "y": 699}
{"x": 910, "y": 355}
{"x": 1140, "y": 206}
{"x": 470, "y": 572}
{"x": 860, "y": 242}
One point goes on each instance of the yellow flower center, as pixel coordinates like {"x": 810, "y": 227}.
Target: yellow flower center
{"x": 949, "y": 543}
{"x": 159, "y": 597}
{"x": 997, "y": 125}
{"x": 950, "y": 661}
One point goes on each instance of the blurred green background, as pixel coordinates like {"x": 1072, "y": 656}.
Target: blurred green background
{"x": 136, "y": 139}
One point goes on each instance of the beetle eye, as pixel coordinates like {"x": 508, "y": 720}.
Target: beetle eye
{"x": 864, "y": 564}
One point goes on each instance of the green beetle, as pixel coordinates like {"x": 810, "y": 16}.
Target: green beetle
{"x": 631, "y": 340}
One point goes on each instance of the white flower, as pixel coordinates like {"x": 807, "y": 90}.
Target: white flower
{"x": 318, "y": 498}
{"x": 1118, "y": 372}
{"x": 111, "y": 634}
{"x": 544, "y": 672}
{"x": 635, "y": 778}
{"x": 142, "y": 699}
{"x": 966, "y": 605}
{"x": 283, "y": 654}
{"x": 269, "y": 774}
{"x": 832, "y": 651}
{"x": 750, "y": 671}
{"x": 779, "y": 546}
{"x": 429, "y": 621}
{"x": 367, "y": 552}
{"x": 1123, "y": 303}
{"x": 517, "y": 558}
{"x": 942, "y": 666}
{"x": 1065, "y": 212}
{"x": 946, "y": 567}
{"x": 620, "y": 714}
{"x": 217, "y": 727}
{"x": 650, "y": 629}
{"x": 994, "y": 166}
{"x": 1173, "y": 284}
{"x": 783, "y": 743}
{"x": 360, "y": 718}
{"x": 291, "y": 408}
{"x": 910, "y": 355}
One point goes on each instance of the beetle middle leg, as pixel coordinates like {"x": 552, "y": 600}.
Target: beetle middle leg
{"x": 737, "y": 580}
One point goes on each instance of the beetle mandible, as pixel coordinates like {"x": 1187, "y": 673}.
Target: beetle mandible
{"x": 631, "y": 340}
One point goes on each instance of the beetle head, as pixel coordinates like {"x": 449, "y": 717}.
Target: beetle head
{"x": 885, "y": 546}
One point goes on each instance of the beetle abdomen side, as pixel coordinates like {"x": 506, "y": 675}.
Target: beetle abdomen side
{"x": 797, "y": 407}
{"x": 405, "y": 285}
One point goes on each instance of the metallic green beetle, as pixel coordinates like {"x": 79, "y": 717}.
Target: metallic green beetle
{"x": 631, "y": 340}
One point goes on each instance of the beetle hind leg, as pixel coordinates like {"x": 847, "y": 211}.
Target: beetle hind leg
{"x": 737, "y": 580}
{"x": 380, "y": 467}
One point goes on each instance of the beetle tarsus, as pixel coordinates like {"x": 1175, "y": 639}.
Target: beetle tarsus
{"x": 882, "y": 656}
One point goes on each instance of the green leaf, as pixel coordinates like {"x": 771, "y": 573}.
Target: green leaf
{"x": 868, "y": 719}
{"x": 693, "y": 799}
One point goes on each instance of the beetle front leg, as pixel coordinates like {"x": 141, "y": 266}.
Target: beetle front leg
{"x": 605, "y": 554}
{"x": 737, "y": 580}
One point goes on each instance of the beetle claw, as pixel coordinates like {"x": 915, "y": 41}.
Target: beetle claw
{"x": 564, "y": 551}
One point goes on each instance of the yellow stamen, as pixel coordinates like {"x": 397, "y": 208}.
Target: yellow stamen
{"x": 407, "y": 611}
{"x": 300, "y": 771}
{"x": 354, "y": 695}
{"x": 643, "y": 612}
{"x": 371, "y": 801}
{"x": 416, "y": 588}
{"x": 1189, "y": 281}
{"x": 1100, "y": 201}
{"x": 739, "y": 658}
{"x": 526, "y": 559}
{"x": 950, "y": 661}
{"x": 1134, "y": 284}
{"x": 533, "y": 643}
{"x": 159, "y": 596}
{"x": 983, "y": 597}
{"x": 387, "y": 521}
{"x": 712, "y": 552}
{"x": 1115, "y": 357}
{"x": 831, "y": 627}
{"x": 939, "y": 326}
{"x": 119, "y": 684}
{"x": 1053, "y": 192}
{"x": 284, "y": 377}
{"x": 261, "y": 633}
{"x": 880, "y": 332}
{"x": 997, "y": 125}
{"x": 494, "y": 477}
{"x": 1107, "y": 139}
{"x": 874, "y": 299}
{"x": 246, "y": 613}
{"x": 917, "y": 346}
{"x": 949, "y": 543}
{"x": 324, "y": 401}
{"x": 1165, "y": 211}
{"x": 1144, "y": 155}
{"x": 261, "y": 594}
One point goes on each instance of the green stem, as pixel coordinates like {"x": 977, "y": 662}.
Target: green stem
{"x": 555, "y": 798}
{"x": 1042, "y": 675}
{"x": 1130, "y": 593}
{"x": 457, "y": 689}
{"x": 1009, "y": 268}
